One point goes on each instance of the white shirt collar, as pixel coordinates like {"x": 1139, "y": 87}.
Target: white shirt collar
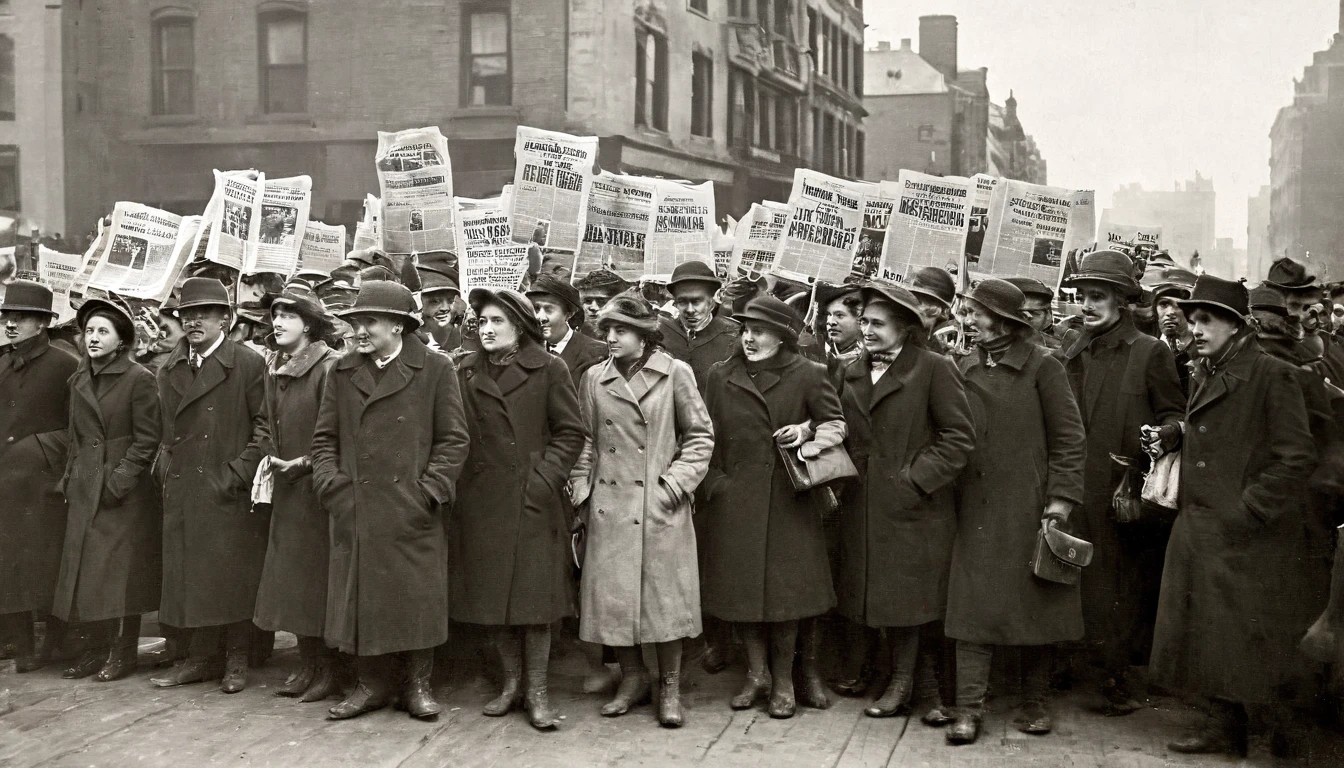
{"x": 560, "y": 345}
{"x": 207, "y": 353}
{"x": 386, "y": 361}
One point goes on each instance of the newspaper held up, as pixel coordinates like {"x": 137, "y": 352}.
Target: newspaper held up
{"x": 723, "y": 247}
{"x": 756, "y": 238}
{"x": 323, "y": 247}
{"x": 878, "y": 204}
{"x": 487, "y": 257}
{"x": 139, "y": 252}
{"x": 284, "y": 218}
{"x": 58, "y": 271}
{"x": 822, "y": 232}
{"x": 1117, "y": 233}
{"x": 1031, "y": 230}
{"x": 681, "y": 229}
{"x": 552, "y": 178}
{"x": 981, "y": 192}
{"x": 617, "y": 226}
{"x": 368, "y": 232}
{"x": 91, "y": 256}
{"x": 234, "y": 218}
{"x": 416, "y": 179}
{"x": 928, "y": 225}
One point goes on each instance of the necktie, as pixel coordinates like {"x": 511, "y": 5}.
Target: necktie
{"x": 194, "y": 362}
{"x": 551, "y": 348}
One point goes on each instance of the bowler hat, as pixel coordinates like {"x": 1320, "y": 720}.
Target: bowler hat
{"x": 554, "y": 286}
{"x": 337, "y": 293}
{"x": 1290, "y": 275}
{"x": 629, "y": 309}
{"x": 518, "y": 306}
{"x": 27, "y": 296}
{"x": 203, "y": 292}
{"x": 438, "y": 277}
{"x": 1111, "y": 267}
{"x": 122, "y": 317}
{"x": 1226, "y": 295}
{"x": 1173, "y": 281}
{"x": 1001, "y": 298}
{"x": 896, "y": 295}
{"x": 1267, "y": 299}
{"x": 602, "y": 280}
{"x": 1030, "y": 286}
{"x": 384, "y": 297}
{"x": 774, "y": 313}
{"x": 694, "y": 272}
{"x": 827, "y": 293}
{"x": 936, "y": 283}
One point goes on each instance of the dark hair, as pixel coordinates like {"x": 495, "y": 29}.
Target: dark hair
{"x": 320, "y": 326}
{"x": 853, "y": 301}
{"x": 652, "y": 337}
{"x": 125, "y": 328}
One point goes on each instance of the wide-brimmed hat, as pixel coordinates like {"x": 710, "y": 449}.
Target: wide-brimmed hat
{"x": 694, "y": 272}
{"x": 28, "y": 296}
{"x": 936, "y": 283}
{"x": 546, "y": 284}
{"x": 1226, "y": 295}
{"x": 827, "y": 293}
{"x": 438, "y": 277}
{"x": 1172, "y": 281}
{"x": 602, "y": 280}
{"x": 203, "y": 292}
{"x": 1030, "y": 286}
{"x": 896, "y": 295}
{"x": 519, "y": 307}
{"x": 1290, "y": 275}
{"x": 1267, "y": 299}
{"x": 123, "y": 319}
{"x": 1001, "y": 298}
{"x": 384, "y": 297}
{"x": 631, "y": 310}
{"x": 298, "y": 294}
{"x": 774, "y": 313}
{"x": 1111, "y": 267}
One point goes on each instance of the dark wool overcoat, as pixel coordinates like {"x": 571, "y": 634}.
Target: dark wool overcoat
{"x": 34, "y": 414}
{"x": 112, "y": 562}
{"x": 387, "y": 453}
{"x": 909, "y": 436}
{"x": 1237, "y": 593}
{"x": 214, "y": 434}
{"x": 509, "y": 557}
{"x": 764, "y": 555}
{"x": 701, "y": 350}
{"x": 581, "y": 353}
{"x": 293, "y": 592}
{"x": 1029, "y": 449}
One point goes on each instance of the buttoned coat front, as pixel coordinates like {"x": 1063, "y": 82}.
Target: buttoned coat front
{"x": 648, "y": 448}
{"x": 214, "y": 434}
{"x": 509, "y": 532}
{"x": 909, "y": 435}
{"x": 714, "y": 343}
{"x": 112, "y": 561}
{"x": 387, "y": 454}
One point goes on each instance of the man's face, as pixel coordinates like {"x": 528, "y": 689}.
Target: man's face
{"x": 842, "y": 325}
{"x": 1038, "y": 312}
{"x": 1101, "y": 305}
{"x": 1299, "y": 306}
{"x": 438, "y": 305}
{"x": 1336, "y": 316}
{"x": 593, "y": 302}
{"x": 23, "y": 325}
{"x": 694, "y": 302}
{"x": 377, "y": 335}
{"x": 1211, "y": 332}
{"x": 552, "y": 316}
{"x": 204, "y": 325}
{"x": 1170, "y": 318}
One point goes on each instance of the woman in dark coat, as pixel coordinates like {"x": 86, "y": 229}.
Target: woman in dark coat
{"x": 1235, "y": 587}
{"x": 765, "y": 564}
{"x": 910, "y": 431}
{"x": 509, "y": 531}
{"x": 111, "y": 564}
{"x": 293, "y": 591}
{"x": 1026, "y": 472}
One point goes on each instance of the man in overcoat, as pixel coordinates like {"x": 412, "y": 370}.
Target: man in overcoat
{"x": 595, "y": 289}
{"x": 212, "y": 394}
{"x": 389, "y": 446}
{"x": 559, "y": 310}
{"x": 699, "y": 336}
{"x": 34, "y": 407}
{"x": 1122, "y": 380}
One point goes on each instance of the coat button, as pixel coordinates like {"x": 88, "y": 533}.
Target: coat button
{"x": 9, "y": 439}
{"x": 641, "y": 449}
{"x": 209, "y": 407}
{"x": 175, "y": 475}
{"x": 364, "y": 456}
{"x": 400, "y": 419}
{"x": 601, "y": 482}
{"x": 364, "y": 482}
{"x": 205, "y": 437}
{"x": 200, "y": 471}
{"x": 96, "y": 443}
{"x": 636, "y": 522}
{"x": 601, "y": 511}
{"x": 608, "y": 422}
{"x": 396, "y": 479}
{"x": 1203, "y": 428}
{"x": 1200, "y": 465}
{"x": 611, "y": 449}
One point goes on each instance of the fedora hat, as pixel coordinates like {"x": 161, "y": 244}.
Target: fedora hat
{"x": 1289, "y": 275}
{"x": 1267, "y": 299}
{"x": 1226, "y": 295}
{"x": 1001, "y": 298}
{"x": 896, "y": 295}
{"x": 694, "y": 272}
{"x": 384, "y": 297}
{"x": 518, "y": 306}
{"x": 935, "y": 283}
{"x": 547, "y": 284}
{"x": 27, "y": 296}
{"x": 1030, "y": 286}
{"x": 774, "y": 313}
{"x": 602, "y": 280}
{"x": 203, "y": 292}
{"x": 1111, "y": 267}
{"x": 438, "y": 277}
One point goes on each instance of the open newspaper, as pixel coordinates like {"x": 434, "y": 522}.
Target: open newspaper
{"x": 552, "y": 177}
{"x": 233, "y": 218}
{"x": 756, "y": 238}
{"x": 878, "y": 203}
{"x": 142, "y": 248}
{"x": 928, "y": 225}
{"x": 682, "y": 227}
{"x": 91, "y": 256}
{"x": 1032, "y": 228}
{"x": 323, "y": 247}
{"x": 58, "y": 271}
{"x": 723, "y": 247}
{"x": 825, "y": 216}
{"x": 487, "y": 255}
{"x": 416, "y": 179}
{"x": 619, "y": 209}
{"x": 982, "y": 192}
{"x": 369, "y": 232}
{"x": 284, "y": 218}
{"x": 1115, "y": 232}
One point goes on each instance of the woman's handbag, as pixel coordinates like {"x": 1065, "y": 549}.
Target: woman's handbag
{"x": 1162, "y": 485}
{"x": 831, "y": 465}
{"x": 1059, "y": 557}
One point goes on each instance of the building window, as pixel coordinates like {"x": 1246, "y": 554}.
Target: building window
{"x": 174, "y": 66}
{"x": 702, "y": 95}
{"x": 741, "y": 107}
{"x": 283, "y": 45}
{"x": 926, "y": 132}
{"x": 699, "y": 6}
{"x": 6, "y": 78}
{"x": 650, "y": 80}
{"x": 487, "y": 80}
{"x": 828, "y": 146}
{"x": 739, "y": 9}
{"x": 9, "y": 178}
{"x": 821, "y": 44}
{"x": 858, "y": 69}
{"x": 858, "y": 154}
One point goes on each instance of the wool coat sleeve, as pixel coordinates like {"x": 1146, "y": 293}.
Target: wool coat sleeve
{"x": 326, "y": 454}
{"x": 1066, "y": 441}
{"x": 566, "y": 425}
{"x": 254, "y": 389}
{"x": 1165, "y": 395}
{"x": 580, "y": 477}
{"x": 695, "y": 434}
{"x": 953, "y": 436}
{"x": 448, "y": 449}
{"x": 1292, "y": 453}
{"x": 145, "y": 432}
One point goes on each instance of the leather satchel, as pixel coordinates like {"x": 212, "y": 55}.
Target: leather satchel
{"x": 831, "y": 465}
{"x": 1059, "y": 557}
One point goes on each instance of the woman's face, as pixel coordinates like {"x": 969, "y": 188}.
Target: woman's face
{"x": 624, "y": 343}
{"x": 987, "y": 326}
{"x": 884, "y": 329}
{"x": 842, "y": 325}
{"x": 496, "y": 330}
{"x": 760, "y": 341}
{"x": 101, "y": 339}
{"x": 288, "y": 326}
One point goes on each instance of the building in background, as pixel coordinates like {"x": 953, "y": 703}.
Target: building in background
{"x": 1306, "y": 166}
{"x": 1013, "y": 153}
{"x": 32, "y": 152}
{"x": 1259, "y": 255}
{"x": 740, "y": 92}
{"x": 1185, "y": 213}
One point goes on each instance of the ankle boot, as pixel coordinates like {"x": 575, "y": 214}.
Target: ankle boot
{"x": 89, "y": 662}
{"x": 509, "y": 644}
{"x": 301, "y": 678}
{"x": 783, "y": 645}
{"x": 929, "y": 691}
{"x": 419, "y": 694}
{"x": 372, "y": 691}
{"x": 758, "y": 680}
{"x": 634, "y": 688}
{"x": 966, "y": 728}
{"x": 326, "y": 680}
{"x": 904, "y": 653}
{"x": 669, "y": 700}
{"x": 122, "y": 656}
{"x": 235, "y": 672}
{"x": 811, "y": 689}
{"x": 599, "y": 677}
{"x": 537, "y": 649}
{"x": 196, "y": 669}
{"x": 1224, "y": 730}
{"x": 1116, "y": 698}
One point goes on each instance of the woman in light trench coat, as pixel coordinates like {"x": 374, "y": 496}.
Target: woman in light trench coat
{"x": 649, "y": 445}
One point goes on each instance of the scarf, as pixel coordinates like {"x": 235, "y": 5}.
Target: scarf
{"x": 1208, "y": 367}
{"x": 994, "y": 348}
{"x": 628, "y": 368}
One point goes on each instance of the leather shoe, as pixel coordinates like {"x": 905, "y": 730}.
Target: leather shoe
{"x": 325, "y": 683}
{"x": 119, "y": 664}
{"x": 782, "y": 705}
{"x": 361, "y": 700}
{"x": 89, "y": 663}
{"x": 715, "y": 659}
{"x": 966, "y": 728}
{"x": 195, "y": 669}
{"x": 669, "y": 700}
{"x": 937, "y": 716}
{"x": 418, "y": 696}
{"x": 235, "y": 672}
{"x": 1219, "y": 733}
{"x": 893, "y": 699}
{"x": 1033, "y": 717}
{"x": 752, "y": 689}
{"x": 633, "y": 690}
{"x": 1117, "y": 700}
{"x": 298, "y": 682}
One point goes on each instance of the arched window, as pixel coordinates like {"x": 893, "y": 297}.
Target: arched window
{"x": 6, "y": 77}
{"x": 282, "y": 45}
{"x": 173, "y": 61}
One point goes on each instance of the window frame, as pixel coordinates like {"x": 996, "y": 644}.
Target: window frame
{"x": 159, "y": 97}
{"x": 652, "y": 116}
{"x": 702, "y": 98}
{"x": 265, "y": 17}
{"x": 468, "y": 58}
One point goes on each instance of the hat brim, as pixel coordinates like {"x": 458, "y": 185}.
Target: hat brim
{"x": 1131, "y": 286}
{"x": 714, "y": 281}
{"x": 205, "y": 303}
{"x": 1189, "y": 304}
{"x": 1165, "y": 291}
{"x": 648, "y": 324}
{"x": 411, "y": 320}
{"x": 1310, "y": 285}
{"x": 871, "y": 293}
{"x": 930, "y": 294}
{"x": 90, "y": 305}
{"x": 441, "y": 289}
{"x": 33, "y": 310}
{"x": 573, "y": 307}
{"x": 1020, "y": 319}
{"x": 785, "y": 330}
{"x": 1274, "y": 308}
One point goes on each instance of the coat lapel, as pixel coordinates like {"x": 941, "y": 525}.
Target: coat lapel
{"x": 894, "y": 379}
{"x": 399, "y": 372}
{"x": 84, "y": 388}
{"x": 740, "y": 378}
{"x": 212, "y": 374}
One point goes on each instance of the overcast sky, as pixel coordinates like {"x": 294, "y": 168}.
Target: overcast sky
{"x": 1149, "y": 91}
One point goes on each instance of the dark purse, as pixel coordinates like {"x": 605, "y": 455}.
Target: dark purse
{"x": 1059, "y": 557}
{"x": 831, "y": 465}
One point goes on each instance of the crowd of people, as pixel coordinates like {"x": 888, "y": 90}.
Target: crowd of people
{"x": 365, "y": 457}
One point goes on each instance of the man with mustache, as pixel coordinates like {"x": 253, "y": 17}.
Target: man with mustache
{"x": 1301, "y": 296}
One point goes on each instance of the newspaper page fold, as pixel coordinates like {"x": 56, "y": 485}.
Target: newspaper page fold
{"x": 416, "y": 179}
{"x": 553, "y": 175}
{"x": 928, "y": 225}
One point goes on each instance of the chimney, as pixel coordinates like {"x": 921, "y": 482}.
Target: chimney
{"x": 885, "y": 45}
{"x": 938, "y": 43}
{"x": 905, "y": 42}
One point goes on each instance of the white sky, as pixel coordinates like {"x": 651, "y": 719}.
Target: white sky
{"x": 1149, "y": 91}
